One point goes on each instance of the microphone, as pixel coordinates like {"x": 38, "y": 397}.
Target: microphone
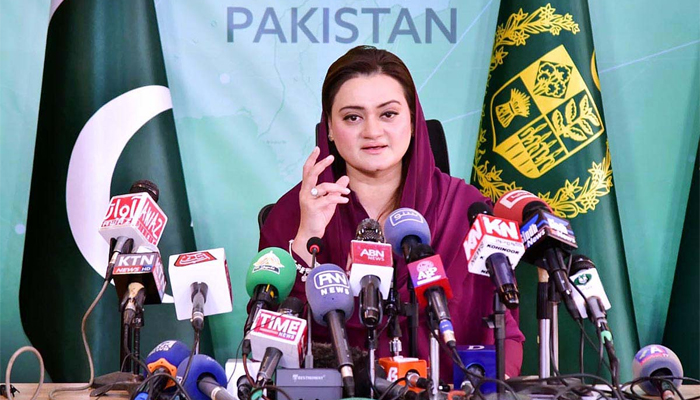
{"x": 394, "y": 391}
{"x": 165, "y": 358}
{"x": 139, "y": 280}
{"x": 406, "y": 228}
{"x": 277, "y": 339}
{"x": 493, "y": 247}
{"x": 433, "y": 290}
{"x": 546, "y": 237}
{"x": 656, "y": 361}
{"x": 594, "y": 302}
{"x": 291, "y": 306}
{"x": 331, "y": 303}
{"x": 206, "y": 379}
{"x": 133, "y": 220}
{"x": 314, "y": 246}
{"x": 372, "y": 271}
{"x": 269, "y": 280}
{"x": 201, "y": 285}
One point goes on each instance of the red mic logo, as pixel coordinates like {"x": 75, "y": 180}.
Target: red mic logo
{"x": 491, "y": 226}
{"x": 194, "y": 258}
{"x": 278, "y": 325}
{"x": 122, "y": 209}
{"x": 370, "y": 253}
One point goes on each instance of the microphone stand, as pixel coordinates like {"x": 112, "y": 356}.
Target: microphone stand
{"x": 554, "y": 299}
{"x": 544, "y": 317}
{"x": 392, "y": 309}
{"x": 434, "y": 356}
{"x": 309, "y": 360}
{"x": 497, "y": 322}
{"x": 411, "y": 311}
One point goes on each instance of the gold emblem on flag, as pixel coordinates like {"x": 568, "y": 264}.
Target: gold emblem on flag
{"x": 562, "y": 120}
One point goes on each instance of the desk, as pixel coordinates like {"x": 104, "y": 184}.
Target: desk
{"x": 27, "y": 390}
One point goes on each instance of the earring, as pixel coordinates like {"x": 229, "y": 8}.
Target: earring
{"x": 330, "y": 137}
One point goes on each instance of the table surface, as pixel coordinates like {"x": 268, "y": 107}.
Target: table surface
{"x": 27, "y": 391}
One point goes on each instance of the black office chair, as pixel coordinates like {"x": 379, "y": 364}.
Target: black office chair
{"x": 438, "y": 145}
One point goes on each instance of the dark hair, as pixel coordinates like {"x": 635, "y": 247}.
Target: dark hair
{"x": 364, "y": 61}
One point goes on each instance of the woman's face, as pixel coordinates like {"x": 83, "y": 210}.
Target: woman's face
{"x": 371, "y": 123}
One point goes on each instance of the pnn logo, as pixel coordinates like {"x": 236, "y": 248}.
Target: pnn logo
{"x": 326, "y": 279}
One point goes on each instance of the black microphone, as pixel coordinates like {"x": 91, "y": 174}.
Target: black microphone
{"x": 547, "y": 238}
{"x": 291, "y": 306}
{"x": 371, "y": 266}
{"x": 199, "y": 298}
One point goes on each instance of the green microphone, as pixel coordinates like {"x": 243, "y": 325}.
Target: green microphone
{"x": 269, "y": 281}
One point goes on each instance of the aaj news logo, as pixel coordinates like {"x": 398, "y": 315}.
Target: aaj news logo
{"x": 405, "y": 215}
{"x": 185, "y": 260}
{"x": 332, "y": 282}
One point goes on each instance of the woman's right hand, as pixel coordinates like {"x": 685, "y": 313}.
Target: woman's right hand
{"x": 317, "y": 211}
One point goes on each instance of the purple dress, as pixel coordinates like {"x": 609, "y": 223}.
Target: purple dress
{"x": 443, "y": 201}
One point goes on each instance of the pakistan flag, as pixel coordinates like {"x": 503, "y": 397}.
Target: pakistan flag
{"x": 543, "y": 130}
{"x": 105, "y": 121}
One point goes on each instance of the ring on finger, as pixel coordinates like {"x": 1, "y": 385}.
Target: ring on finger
{"x": 314, "y": 192}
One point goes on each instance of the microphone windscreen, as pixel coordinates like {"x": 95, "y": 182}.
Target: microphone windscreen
{"x": 292, "y": 305}
{"x": 369, "y": 230}
{"x": 146, "y": 186}
{"x": 168, "y": 354}
{"x": 478, "y": 207}
{"x": 201, "y": 365}
{"x": 512, "y": 204}
{"x": 656, "y": 358}
{"x": 579, "y": 263}
{"x": 405, "y": 222}
{"x": 314, "y": 243}
{"x": 272, "y": 266}
{"x": 327, "y": 289}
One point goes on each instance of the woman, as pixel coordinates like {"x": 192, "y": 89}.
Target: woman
{"x": 375, "y": 157}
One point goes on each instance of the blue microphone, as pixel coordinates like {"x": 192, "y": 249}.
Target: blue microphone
{"x": 404, "y": 229}
{"x": 206, "y": 379}
{"x": 332, "y": 303}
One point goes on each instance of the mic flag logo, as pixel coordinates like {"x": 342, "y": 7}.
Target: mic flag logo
{"x": 331, "y": 282}
{"x": 268, "y": 262}
{"x": 651, "y": 352}
{"x": 404, "y": 215}
{"x": 426, "y": 272}
{"x": 582, "y": 280}
{"x": 194, "y": 258}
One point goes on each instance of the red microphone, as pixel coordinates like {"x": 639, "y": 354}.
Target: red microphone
{"x": 433, "y": 290}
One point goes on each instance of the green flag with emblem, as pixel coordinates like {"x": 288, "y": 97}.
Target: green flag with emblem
{"x": 543, "y": 130}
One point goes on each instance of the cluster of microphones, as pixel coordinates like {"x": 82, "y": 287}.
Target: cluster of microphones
{"x": 277, "y": 352}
